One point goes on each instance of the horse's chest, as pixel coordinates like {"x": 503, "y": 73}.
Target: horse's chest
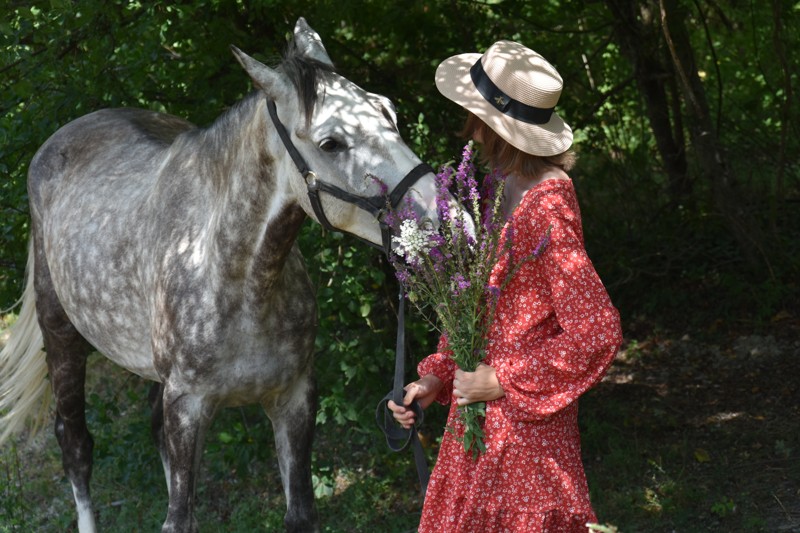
{"x": 240, "y": 349}
{"x": 258, "y": 369}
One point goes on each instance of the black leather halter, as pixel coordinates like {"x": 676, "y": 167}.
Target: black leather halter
{"x": 397, "y": 437}
{"x": 374, "y": 205}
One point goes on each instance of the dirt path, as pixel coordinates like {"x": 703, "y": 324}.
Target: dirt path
{"x": 718, "y": 425}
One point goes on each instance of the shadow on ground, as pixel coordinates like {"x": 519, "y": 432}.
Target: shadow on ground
{"x": 688, "y": 435}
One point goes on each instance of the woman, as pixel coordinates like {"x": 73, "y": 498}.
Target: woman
{"x": 555, "y": 330}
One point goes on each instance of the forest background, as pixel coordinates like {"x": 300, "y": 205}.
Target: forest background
{"x": 686, "y": 121}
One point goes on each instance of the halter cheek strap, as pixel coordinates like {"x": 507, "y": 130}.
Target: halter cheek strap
{"x": 374, "y": 205}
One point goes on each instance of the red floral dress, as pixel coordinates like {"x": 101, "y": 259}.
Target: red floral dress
{"x": 555, "y": 333}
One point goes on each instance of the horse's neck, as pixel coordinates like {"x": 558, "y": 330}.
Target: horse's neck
{"x": 253, "y": 220}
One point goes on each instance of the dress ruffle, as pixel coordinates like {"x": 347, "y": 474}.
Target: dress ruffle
{"x": 551, "y": 521}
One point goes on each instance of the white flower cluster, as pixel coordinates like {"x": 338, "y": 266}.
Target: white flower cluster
{"x": 413, "y": 242}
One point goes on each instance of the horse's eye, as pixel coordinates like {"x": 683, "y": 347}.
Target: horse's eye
{"x": 330, "y": 145}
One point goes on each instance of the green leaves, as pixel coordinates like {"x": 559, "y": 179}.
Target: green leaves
{"x": 60, "y": 60}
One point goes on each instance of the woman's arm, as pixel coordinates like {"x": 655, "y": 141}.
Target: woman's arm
{"x": 544, "y": 375}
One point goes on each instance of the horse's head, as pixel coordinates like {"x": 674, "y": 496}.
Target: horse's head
{"x": 346, "y": 151}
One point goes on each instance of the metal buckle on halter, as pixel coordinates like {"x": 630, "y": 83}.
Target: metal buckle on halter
{"x": 312, "y": 183}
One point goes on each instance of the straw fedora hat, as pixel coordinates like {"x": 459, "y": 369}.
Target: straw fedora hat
{"x": 514, "y": 91}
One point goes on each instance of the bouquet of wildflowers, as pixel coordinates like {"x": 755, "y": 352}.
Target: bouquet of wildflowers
{"x": 449, "y": 271}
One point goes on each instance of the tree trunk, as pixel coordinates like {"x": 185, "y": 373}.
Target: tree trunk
{"x": 709, "y": 152}
{"x": 636, "y": 30}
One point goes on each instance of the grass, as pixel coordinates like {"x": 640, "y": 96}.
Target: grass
{"x": 239, "y": 488}
{"x": 682, "y": 436}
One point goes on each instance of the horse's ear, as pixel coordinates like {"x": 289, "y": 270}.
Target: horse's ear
{"x": 263, "y": 77}
{"x": 309, "y": 43}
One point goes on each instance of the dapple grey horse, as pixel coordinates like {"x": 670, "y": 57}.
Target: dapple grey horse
{"x": 171, "y": 250}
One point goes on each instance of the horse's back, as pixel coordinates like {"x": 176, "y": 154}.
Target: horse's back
{"x": 102, "y": 145}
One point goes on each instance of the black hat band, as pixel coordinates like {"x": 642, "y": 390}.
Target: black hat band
{"x": 504, "y": 103}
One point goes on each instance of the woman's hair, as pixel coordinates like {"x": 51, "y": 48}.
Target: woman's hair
{"x": 496, "y": 152}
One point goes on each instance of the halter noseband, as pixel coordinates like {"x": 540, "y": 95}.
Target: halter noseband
{"x": 374, "y": 205}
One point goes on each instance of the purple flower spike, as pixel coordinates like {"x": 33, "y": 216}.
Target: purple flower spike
{"x": 493, "y": 292}
{"x": 443, "y": 180}
{"x": 458, "y": 284}
{"x": 448, "y": 272}
{"x": 381, "y": 184}
{"x": 542, "y": 243}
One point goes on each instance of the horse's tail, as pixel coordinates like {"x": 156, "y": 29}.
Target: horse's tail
{"x": 24, "y": 390}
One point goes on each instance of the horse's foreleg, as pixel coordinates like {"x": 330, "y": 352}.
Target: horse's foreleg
{"x": 156, "y": 398}
{"x": 186, "y": 418}
{"x": 293, "y": 423}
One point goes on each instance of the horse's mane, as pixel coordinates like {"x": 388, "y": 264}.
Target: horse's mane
{"x": 304, "y": 73}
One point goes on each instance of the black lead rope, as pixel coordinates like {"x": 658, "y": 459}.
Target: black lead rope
{"x": 397, "y": 437}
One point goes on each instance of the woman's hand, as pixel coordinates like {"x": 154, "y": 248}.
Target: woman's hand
{"x": 424, "y": 391}
{"x": 478, "y": 386}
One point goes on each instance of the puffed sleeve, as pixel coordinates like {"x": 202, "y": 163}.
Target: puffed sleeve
{"x": 441, "y": 365}
{"x": 543, "y": 374}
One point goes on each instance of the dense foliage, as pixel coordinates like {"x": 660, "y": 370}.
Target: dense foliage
{"x": 644, "y": 97}
{"x": 684, "y": 113}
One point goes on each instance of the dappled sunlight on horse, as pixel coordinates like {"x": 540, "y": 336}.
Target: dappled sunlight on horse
{"x": 171, "y": 250}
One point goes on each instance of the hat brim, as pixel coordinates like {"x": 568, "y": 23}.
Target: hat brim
{"x": 454, "y": 82}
